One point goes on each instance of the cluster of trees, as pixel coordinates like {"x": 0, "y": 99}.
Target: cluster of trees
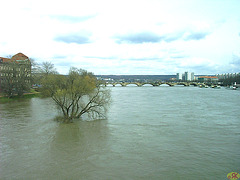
{"x": 231, "y": 80}
{"x": 75, "y": 94}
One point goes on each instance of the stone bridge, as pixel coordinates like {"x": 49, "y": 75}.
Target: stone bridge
{"x": 123, "y": 84}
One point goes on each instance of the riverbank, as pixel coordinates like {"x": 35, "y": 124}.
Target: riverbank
{"x": 25, "y": 96}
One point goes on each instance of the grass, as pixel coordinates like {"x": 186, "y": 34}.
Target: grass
{"x": 29, "y": 95}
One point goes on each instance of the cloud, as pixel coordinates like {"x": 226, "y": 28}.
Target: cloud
{"x": 149, "y": 37}
{"x": 143, "y": 59}
{"x": 195, "y": 36}
{"x": 185, "y": 35}
{"x": 170, "y": 38}
{"x": 68, "y": 64}
{"x": 72, "y": 19}
{"x": 179, "y": 56}
{"x": 123, "y": 58}
{"x": 235, "y": 63}
{"x": 100, "y": 57}
{"x": 138, "y": 38}
{"x": 59, "y": 57}
{"x": 174, "y": 36}
{"x": 83, "y": 38}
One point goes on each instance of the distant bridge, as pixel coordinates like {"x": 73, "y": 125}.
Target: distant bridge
{"x": 139, "y": 84}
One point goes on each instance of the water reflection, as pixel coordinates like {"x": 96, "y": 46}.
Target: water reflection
{"x": 40, "y": 148}
{"x": 84, "y": 135}
{"x": 16, "y": 110}
{"x": 77, "y": 147}
{"x": 33, "y": 146}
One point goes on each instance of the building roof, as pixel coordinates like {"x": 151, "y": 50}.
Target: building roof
{"x": 2, "y": 59}
{"x": 18, "y": 56}
{"x": 210, "y": 77}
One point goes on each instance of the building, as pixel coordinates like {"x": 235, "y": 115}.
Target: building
{"x": 208, "y": 79}
{"x": 227, "y": 75}
{"x": 23, "y": 67}
{"x": 192, "y": 76}
{"x": 189, "y": 76}
{"x": 185, "y": 76}
{"x": 179, "y": 76}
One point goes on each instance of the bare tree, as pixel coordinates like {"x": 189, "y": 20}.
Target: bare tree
{"x": 48, "y": 68}
{"x": 77, "y": 94}
{"x": 39, "y": 71}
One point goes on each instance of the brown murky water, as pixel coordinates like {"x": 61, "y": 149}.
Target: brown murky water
{"x": 150, "y": 133}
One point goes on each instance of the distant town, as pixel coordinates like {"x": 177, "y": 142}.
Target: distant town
{"x": 179, "y": 77}
{"x": 20, "y": 68}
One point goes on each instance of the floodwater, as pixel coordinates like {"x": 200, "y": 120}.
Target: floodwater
{"x": 150, "y": 133}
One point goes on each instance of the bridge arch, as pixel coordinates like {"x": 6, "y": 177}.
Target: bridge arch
{"x": 193, "y": 84}
{"x": 182, "y": 83}
{"x": 109, "y": 85}
{"x": 147, "y": 84}
{"x": 117, "y": 85}
{"x": 131, "y": 85}
{"x": 165, "y": 84}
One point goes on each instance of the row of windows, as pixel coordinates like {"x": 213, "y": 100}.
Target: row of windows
{"x": 6, "y": 66}
{"x": 17, "y": 70}
{"x": 10, "y": 68}
{"x": 27, "y": 81}
{"x": 17, "y": 75}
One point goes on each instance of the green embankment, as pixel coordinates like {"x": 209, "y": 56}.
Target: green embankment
{"x": 25, "y": 96}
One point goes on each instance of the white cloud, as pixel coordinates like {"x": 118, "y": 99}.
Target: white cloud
{"x": 124, "y": 37}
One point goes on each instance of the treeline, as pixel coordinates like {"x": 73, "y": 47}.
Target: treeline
{"x": 230, "y": 81}
{"x": 18, "y": 77}
{"x": 75, "y": 94}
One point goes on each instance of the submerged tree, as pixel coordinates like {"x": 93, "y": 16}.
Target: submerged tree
{"x": 76, "y": 94}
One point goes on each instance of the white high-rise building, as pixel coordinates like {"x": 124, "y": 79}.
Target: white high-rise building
{"x": 192, "y": 76}
{"x": 189, "y": 76}
{"x": 185, "y": 76}
{"x": 179, "y": 76}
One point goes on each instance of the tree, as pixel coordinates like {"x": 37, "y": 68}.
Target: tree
{"x": 231, "y": 80}
{"x": 76, "y": 94}
{"x": 48, "y": 68}
{"x": 39, "y": 71}
{"x": 16, "y": 77}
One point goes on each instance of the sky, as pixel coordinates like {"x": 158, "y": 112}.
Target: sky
{"x": 125, "y": 37}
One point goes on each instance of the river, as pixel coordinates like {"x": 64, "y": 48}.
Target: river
{"x": 150, "y": 133}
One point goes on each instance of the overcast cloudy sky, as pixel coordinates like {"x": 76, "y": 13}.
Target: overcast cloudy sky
{"x": 125, "y": 36}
